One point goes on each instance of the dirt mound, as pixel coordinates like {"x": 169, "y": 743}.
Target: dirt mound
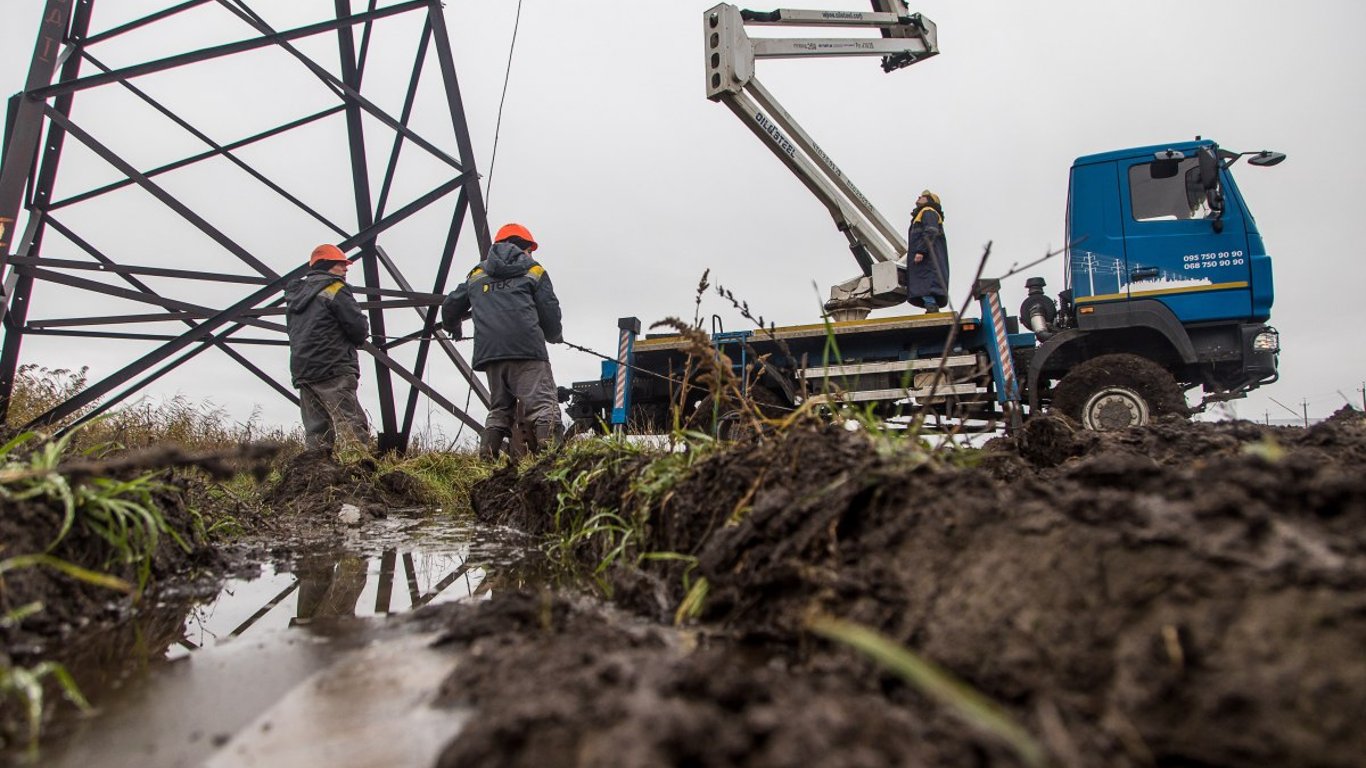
{"x": 1180, "y": 594}
{"x": 1050, "y": 441}
{"x": 314, "y": 485}
{"x": 525, "y": 499}
{"x": 29, "y": 526}
{"x": 562, "y": 684}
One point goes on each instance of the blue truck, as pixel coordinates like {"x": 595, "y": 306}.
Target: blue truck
{"x": 1167, "y": 284}
{"x": 1167, "y": 289}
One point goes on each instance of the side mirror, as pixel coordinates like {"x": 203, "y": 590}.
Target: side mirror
{"x": 1209, "y": 179}
{"x": 1209, "y": 168}
{"x": 1266, "y": 159}
{"x": 1195, "y": 190}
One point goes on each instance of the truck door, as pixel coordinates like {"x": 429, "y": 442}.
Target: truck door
{"x": 1095, "y": 227}
{"x": 1186, "y": 246}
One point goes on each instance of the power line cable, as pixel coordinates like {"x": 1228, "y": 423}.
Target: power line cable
{"x": 498, "y": 125}
{"x": 1293, "y": 412}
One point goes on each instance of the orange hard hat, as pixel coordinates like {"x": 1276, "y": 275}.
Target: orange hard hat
{"x": 515, "y": 230}
{"x": 326, "y": 252}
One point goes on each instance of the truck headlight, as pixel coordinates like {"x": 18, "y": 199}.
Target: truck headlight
{"x": 1266, "y": 341}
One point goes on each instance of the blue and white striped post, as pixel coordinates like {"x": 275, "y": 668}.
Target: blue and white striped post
{"x": 998, "y": 349}
{"x": 629, "y": 328}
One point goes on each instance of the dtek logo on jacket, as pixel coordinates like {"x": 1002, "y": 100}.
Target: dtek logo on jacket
{"x": 513, "y": 305}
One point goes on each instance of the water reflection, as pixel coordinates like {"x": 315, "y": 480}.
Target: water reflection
{"x": 235, "y": 655}
{"x": 322, "y": 586}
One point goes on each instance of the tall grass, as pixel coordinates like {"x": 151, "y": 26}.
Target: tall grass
{"x": 142, "y": 423}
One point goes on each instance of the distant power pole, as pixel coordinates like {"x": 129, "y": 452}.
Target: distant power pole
{"x": 1268, "y": 418}
{"x": 1304, "y": 403}
{"x": 1363, "y": 396}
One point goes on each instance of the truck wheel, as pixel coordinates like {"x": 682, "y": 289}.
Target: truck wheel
{"x": 725, "y": 419}
{"x": 717, "y": 417}
{"x": 1118, "y": 391}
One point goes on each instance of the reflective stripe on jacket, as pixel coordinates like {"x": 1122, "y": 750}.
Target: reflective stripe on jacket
{"x": 325, "y": 328}
{"x": 513, "y": 304}
{"x": 930, "y": 277}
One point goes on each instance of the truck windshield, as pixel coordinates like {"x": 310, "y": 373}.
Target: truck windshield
{"x": 1157, "y": 196}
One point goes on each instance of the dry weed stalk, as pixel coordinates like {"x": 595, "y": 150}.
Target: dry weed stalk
{"x": 941, "y": 369}
{"x": 714, "y": 371}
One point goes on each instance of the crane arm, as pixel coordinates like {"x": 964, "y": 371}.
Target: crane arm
{"x": 731, "y": 55}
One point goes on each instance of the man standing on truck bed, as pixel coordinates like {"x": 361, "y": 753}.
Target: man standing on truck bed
{"x": 927, "y": 255}
{"x": 515, "y": 313}
{"x": 325, "y": 328}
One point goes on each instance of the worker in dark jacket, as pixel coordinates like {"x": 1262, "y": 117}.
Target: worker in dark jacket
{"x": 927, "y": 255}
{"x": 325, "y": 329}
{"x": 515, "y": 313}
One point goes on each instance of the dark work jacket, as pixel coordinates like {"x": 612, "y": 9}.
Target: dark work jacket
{"x": 927, "y": 237}
{"x": 513, "y": 304}
{"x": 325, "y": 328}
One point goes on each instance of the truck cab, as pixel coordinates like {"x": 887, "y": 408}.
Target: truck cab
{"x": 1164, "y": 263}
{"x": 1167, "y": 236}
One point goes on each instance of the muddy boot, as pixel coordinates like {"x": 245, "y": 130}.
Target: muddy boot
{"x": 491, "y": 442}
{"x": 519, "y": 442}
{"x": 545, "y": 437}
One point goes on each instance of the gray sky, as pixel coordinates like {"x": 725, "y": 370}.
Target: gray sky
{"x": 634, "y": 183}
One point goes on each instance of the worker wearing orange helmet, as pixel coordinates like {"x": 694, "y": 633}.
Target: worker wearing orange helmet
{"x": 325, "y": 329}
{"x": 515, "y": 312}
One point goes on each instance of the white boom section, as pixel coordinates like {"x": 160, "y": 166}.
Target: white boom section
{"x": 731, "y": 54}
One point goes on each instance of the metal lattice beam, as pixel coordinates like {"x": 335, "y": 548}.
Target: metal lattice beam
{"x": 123, "y": 306}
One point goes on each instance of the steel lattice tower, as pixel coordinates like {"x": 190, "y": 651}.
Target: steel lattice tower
{"x": 229, "y": 67}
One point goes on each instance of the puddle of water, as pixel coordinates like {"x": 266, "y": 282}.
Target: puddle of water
{"x": 370, "y": 708}
{"x": 212, "y": 668}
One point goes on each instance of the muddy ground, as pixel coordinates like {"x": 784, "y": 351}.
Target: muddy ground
{"x": 1176, "y": 595}
{"x": 1185, "y": 595}
{"x": 108, "y": 633}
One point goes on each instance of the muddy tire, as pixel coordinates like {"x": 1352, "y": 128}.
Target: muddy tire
{"x": 726, "y": 419}
{"x": 718, "y": 417}
{"x": 1118, "y": 391}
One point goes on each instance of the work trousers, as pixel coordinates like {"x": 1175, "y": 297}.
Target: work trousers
{"x": 529, "y": 382}
{"x": 330, "y": 407}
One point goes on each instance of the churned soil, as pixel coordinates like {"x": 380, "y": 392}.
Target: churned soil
{"x": 91, "y": 627}
{"x": 1183, "y": 594}
{"x": 50, "y": 616}
{"x": 313, "y": 485}
{"x": 32, "y": 525}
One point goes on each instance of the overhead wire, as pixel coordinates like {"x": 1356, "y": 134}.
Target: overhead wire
{"x": 498, "y": 124}
{"x": 493, "y": 159}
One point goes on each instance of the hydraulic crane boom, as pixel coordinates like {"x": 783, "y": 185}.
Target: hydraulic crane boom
{"x": 906, "y": 39}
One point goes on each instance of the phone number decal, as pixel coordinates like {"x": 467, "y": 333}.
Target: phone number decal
{"x": 1213, "y": 260}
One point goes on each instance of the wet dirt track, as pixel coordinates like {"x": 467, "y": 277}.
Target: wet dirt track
{"x": 1180, "y": 595}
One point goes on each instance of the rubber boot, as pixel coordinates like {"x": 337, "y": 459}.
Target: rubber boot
{"x": 519, "y": 441}
{"x": 491, "y": 442}
{"x": 544, "y": 437}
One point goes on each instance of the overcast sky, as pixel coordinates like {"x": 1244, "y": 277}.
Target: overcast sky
{"x": 634, "y": 183}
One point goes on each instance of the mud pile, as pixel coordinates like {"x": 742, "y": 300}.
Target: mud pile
{"x": 1181, "y": 594}
{"x": 561, "y": 683}
{"x": 29, "y": 524}
{"x": 313, "y": 485}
